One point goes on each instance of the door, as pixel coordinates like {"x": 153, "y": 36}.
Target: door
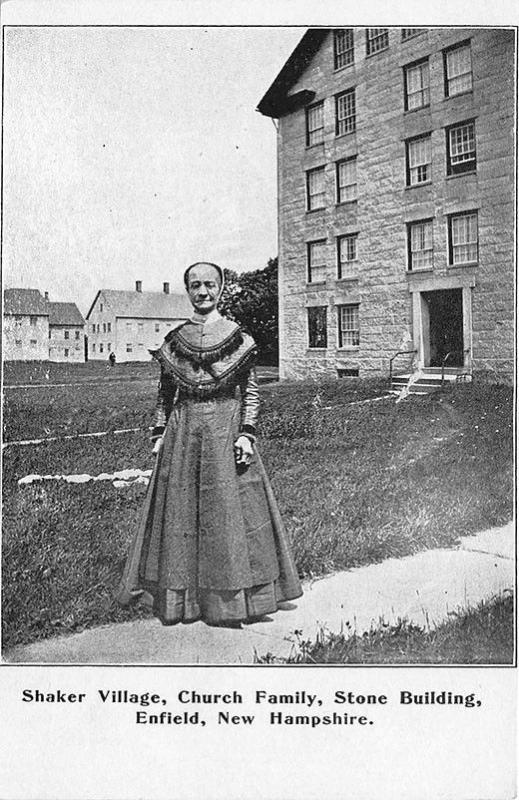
{"x": 445, "y": 327}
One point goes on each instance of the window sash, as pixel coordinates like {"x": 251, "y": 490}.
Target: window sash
{"x": 349, "y": 334}
{"x": 345, "y": 113}
{"x": 316, "y": 188}
{"x": 408, "y": 32}
{"x": 314, "y": 125}
{"x": 343, "y": 47}
{"x": 347, "y": 180}
{"x": 462, "y": 144}
{"x": 317, "y": 327}
{"x": 417, "y": 86}
{"x": 316, "y": 262}
{"x": 419, "y": 157}
{"x": 459, "y": 70}
{"x": 347, "y": 255}
{"x": 376, "y": 39}
{"x": 464, "y": 238}
{"x": 421, "y": 245}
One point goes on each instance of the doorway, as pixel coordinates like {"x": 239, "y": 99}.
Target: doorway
{"x": 443, "y": 327}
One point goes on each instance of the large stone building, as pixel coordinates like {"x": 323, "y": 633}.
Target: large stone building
{"x": 396, "y": 200}
{"x": 66, "y": 333}
{"x": 26, "y": 326}
{"x": 131, "y": 323}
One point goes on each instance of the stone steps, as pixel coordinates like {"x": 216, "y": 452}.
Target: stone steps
{"x": 429, "y": 381}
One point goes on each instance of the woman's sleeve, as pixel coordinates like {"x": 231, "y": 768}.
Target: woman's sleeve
{"x": 164, "y": 405}
{"x": 250, "y": 403}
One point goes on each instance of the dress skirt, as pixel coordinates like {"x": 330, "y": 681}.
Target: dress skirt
{"x": 210, "y": 543}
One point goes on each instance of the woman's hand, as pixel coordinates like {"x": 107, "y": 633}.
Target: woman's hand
{"x": 157, "y": 446}
{"x": 243, "y": 451}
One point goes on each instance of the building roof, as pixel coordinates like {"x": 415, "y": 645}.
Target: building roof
{"x": 65, "y": 314}
{"x": 145, "y": 305}
{"x": 25, "y": 301}
{"x": 276, "y": 101}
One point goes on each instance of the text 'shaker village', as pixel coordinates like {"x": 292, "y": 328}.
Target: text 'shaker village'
{"x": 188, "y": 703}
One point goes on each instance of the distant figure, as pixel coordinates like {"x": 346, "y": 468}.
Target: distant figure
{"x": 111, "y": 359}
{"x": 211, "y": 543}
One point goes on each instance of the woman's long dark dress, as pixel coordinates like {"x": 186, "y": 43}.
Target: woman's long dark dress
{"x": 210, "y": 543}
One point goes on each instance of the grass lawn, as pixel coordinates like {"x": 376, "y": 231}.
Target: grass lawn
{"x": 481, "y": 635}
{"x": 356, "y": 484}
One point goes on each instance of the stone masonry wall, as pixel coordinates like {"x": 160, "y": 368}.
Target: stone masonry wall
{"x": 385, "y": 205}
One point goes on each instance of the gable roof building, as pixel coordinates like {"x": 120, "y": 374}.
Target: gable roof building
{"x": 66, "y": 333}
{"x": 129, "y": 323}
{"x": 396, "y": 201}
{"x": 26, "y": 325}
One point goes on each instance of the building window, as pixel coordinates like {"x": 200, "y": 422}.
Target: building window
{"x": 377, "y": 39}
{"x": 33, "y": 342}
{"x": 346, "y": 180}
{"x": 65, "y": 334}
{"x": 66, "y": 352}
{"x": 315, "y": 191}
{"x": 343, "y": 47}
{"x": 78, "y": 334}
{"x": 93, "y": 348}
{"x": 104, "y": 327}
{"x": 100, "y": 306}
{"x": 317, "y": 333}
{"x": 33, "y": 321}
{"x": 157, "y": 327}
{"x": 461, "y": 148}
{"x": 101, "y": 348}
{"x": 109, "y": 327}
{"x": 417, "y": 85}
{"x": 314, "y": 124}
{"x": 93, "y": 328}
{"x": 98, "y": 327}
{"x": 458, "y": 69}
{"x": 419, "y": 158}
{"x": 345, "y": 115}
{"x": 140, "y": 326}
{"x": 463, "y": 238}
{"x": 349, "y": 325}
{"x": 129, "y": 347}
{"x": 109, "y": 346}
{"x": 316, "y": 256}
{"x": 347, "y": 266}
{"x": 140, "y": 346}
{"x": 420, "y": 245}
{"x": 407, "y": 33}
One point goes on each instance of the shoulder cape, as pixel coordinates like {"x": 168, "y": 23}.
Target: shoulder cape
{"x": 205, "y": 371}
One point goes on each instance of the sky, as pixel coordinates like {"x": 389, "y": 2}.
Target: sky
{"x": 129, "y": 153}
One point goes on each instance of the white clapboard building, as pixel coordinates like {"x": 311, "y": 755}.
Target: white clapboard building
{"x": 130, "y": 323}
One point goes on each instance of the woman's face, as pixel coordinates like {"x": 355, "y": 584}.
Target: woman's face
{"x": 203, "y": 288}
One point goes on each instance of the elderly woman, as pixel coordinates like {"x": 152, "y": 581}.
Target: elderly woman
{"x": 210, "y": 544}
